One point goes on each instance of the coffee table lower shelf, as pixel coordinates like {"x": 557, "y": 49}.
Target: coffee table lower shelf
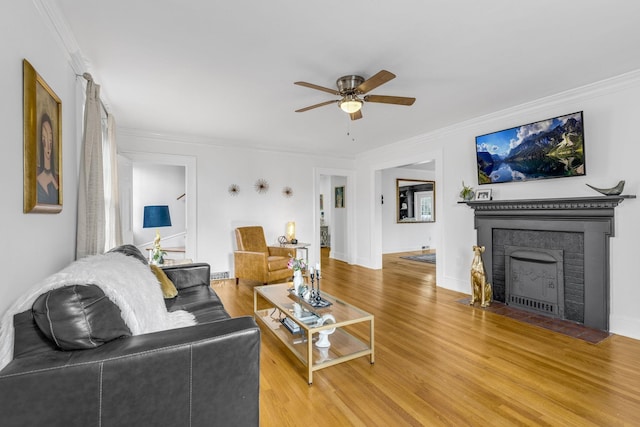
{"x": 344, "y": 346}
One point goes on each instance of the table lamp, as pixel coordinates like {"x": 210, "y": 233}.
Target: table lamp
{"x": 156, "y": 216}
{"x": 290, "y": 232}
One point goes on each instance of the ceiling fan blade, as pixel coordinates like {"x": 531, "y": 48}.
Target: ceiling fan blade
{"x": 357, "y": 115}
{"x": 398, "y": 100}
{"x": 311, "y": 107}
{"x": 374, "y": 81}
{"x": 322, "y": 88}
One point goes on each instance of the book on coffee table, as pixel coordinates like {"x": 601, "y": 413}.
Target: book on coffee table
{"x": 292, "y": 326}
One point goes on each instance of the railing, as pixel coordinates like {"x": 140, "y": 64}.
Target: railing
{"x": 166, "y": 245}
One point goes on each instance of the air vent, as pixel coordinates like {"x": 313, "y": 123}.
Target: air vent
{"x": 531, "y": 304}
{"x": 220, "y": 275}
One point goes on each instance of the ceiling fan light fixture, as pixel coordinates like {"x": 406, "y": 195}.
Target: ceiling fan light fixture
{"x": 350, "y": 104}
{"x": 352, "y": 86}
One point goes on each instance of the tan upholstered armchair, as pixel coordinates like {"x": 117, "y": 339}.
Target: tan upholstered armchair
{"x": 254, "y": 260}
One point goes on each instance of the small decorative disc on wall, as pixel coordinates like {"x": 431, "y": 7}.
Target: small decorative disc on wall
{"x": 234, "y": 189}
{"x": 287, "y": 192}
{"x": 262, "y": 186}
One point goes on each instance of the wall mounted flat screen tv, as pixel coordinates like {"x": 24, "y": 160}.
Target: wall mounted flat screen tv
{"x": 552, "y": 148}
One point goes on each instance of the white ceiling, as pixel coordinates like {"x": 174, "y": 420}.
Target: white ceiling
{"x": 223, "y": 71}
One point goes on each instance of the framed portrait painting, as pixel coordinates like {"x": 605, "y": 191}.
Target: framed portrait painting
{"x": 42, "y": 144}
{"x": 339, "y": 195}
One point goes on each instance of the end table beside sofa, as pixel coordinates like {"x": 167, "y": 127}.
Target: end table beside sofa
{"x": 207, "y": 374}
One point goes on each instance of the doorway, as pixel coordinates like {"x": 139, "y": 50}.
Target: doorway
{"x": 161, "y": 179}
{"x": 415, "y": 234}
{"x": 335, "y": 207}
{"x": 383, "y": 202}
{"x": 155, "y": 184}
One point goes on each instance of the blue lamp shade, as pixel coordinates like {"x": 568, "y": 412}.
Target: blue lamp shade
{"x": 156, "y": 216}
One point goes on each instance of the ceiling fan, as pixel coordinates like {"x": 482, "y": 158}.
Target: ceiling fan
{"x": 349, "y": 90}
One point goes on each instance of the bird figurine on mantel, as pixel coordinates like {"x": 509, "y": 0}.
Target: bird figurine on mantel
{"x": 613, "y": 191}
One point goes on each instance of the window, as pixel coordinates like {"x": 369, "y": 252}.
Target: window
{"x": 424, "y": 204}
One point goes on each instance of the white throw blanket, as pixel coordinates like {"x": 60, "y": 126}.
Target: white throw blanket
{"x": 125, "y": 280}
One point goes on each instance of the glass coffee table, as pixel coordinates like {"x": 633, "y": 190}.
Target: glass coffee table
{"x": 303, "y": 329}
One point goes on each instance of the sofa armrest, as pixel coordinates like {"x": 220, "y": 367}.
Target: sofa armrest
{"x": 280, "y": 251}
{"x": 187, "y": 275}
{"x": 189, "y": 376}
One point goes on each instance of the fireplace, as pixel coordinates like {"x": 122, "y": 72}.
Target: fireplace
{"x": 534, "y": 279}
{"x": 558, "y": 254}
{"x": 550, "y": 256}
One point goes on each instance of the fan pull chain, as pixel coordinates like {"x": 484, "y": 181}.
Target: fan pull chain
{"x": 353, "y": 139}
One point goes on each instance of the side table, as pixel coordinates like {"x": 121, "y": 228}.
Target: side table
{"x": 299, "y": 247}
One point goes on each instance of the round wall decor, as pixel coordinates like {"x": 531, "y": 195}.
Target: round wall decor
{"x": 261, "y": 186}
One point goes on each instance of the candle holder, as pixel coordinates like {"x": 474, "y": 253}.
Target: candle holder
{"x": 318, "y": 297}
{"x": 313, "y": 291}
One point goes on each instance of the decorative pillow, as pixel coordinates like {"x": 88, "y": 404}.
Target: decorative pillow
{"x": 130, "y": 250}
{"x": 168, "y": 288}
{"x": 78, "y": 317}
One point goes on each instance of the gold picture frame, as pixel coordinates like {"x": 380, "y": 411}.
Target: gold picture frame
{"x": 42, "y": 144}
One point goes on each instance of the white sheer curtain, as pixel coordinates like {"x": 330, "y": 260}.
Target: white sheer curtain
{"x": 113, "y": 227}
{"x": 90, "y": 233}
{"x": 99, "y": 227}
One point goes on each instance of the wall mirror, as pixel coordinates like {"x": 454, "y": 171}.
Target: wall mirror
{"x": 416, "y": 200}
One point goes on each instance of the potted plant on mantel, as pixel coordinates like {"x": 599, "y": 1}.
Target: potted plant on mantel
{"x": 466, "y": 193}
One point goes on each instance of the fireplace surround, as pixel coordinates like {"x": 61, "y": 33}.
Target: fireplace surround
{"x": 570, "y": 235}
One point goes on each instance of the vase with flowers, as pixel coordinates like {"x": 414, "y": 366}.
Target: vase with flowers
{"x": 298, "y": 265}
{"x": 157, "y": 254}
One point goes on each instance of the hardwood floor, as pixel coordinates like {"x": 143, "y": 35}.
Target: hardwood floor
{"x": 439, "y": 362}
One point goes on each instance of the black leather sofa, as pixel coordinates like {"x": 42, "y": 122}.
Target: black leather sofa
{"x": 202, "y": 375}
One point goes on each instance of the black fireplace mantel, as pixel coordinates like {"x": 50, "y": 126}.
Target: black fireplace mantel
{"x": 591, "y": 216}
{"x": 567, "y": 204}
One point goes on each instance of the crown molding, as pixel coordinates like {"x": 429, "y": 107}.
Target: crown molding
{"x": 62, "y": 33}
{"x": 592, "y": 90}
{"x": 146, "y": 135}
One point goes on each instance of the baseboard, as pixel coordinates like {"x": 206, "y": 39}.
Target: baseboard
{"x": 622, "y": 325}
{"x": 453, "y": 284}
{"x": 340, "y": 256}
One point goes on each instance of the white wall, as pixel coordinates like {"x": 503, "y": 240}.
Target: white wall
{"x": 219, "y": 213}
{"x": 611, "y": 109}
{"x": 34, "y": 245}
{"x": 402, "y": 237}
